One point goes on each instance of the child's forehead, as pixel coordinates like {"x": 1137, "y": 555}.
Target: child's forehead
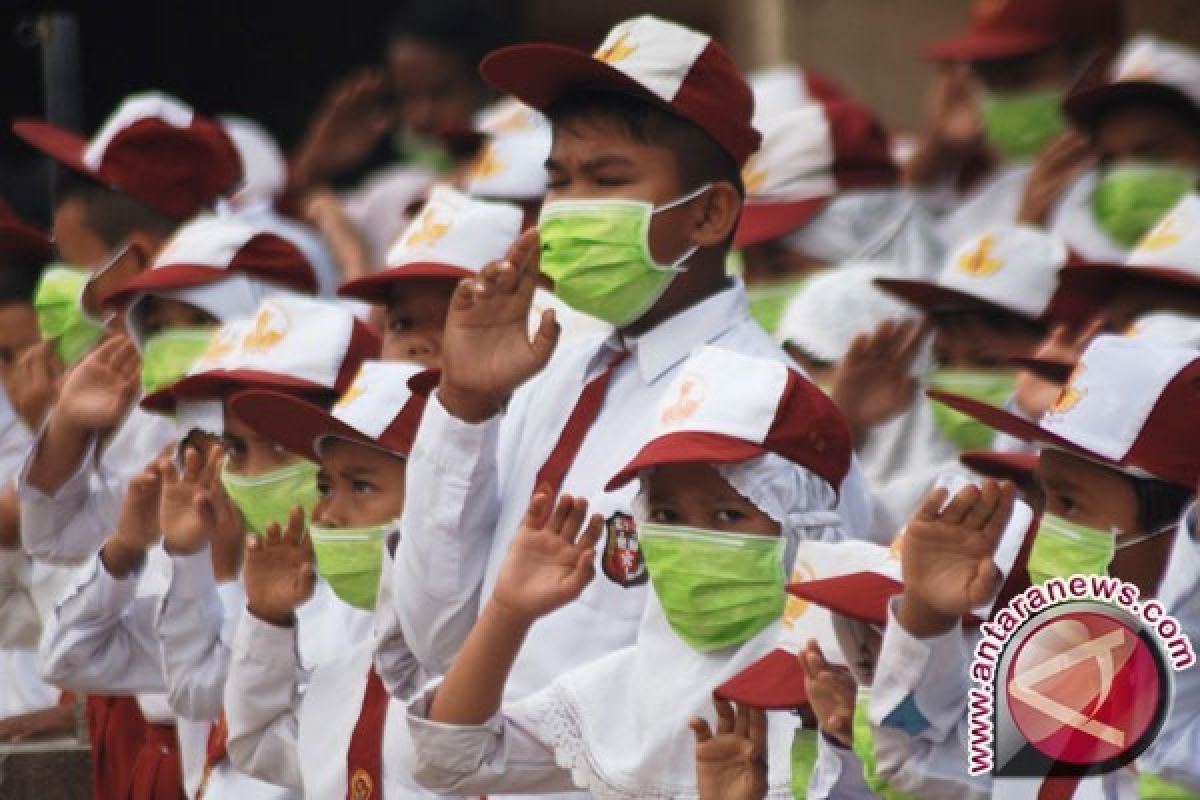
{"x": 685, "y": 479}
{"x": 605, "y": 138}
{"x": 343, "y": 455}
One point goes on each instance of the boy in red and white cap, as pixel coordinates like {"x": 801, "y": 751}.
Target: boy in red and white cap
{"x": 650, "y": 134}
{"x": 735, "y": 473}
{"x": 130, "y": 624}
{"x": 1117, "y": 470}
{"x": 327, "y": 740}
{"x": 451, "y": 238}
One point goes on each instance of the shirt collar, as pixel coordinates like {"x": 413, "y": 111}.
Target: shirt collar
{"x": 671, "y": 341}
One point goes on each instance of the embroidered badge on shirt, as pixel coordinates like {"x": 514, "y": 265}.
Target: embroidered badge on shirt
{"x": 622, "y": 561}
{"x": 361, "y": 785}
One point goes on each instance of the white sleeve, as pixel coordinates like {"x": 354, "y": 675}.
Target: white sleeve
{"x": 837, "y": 774}
{"x": 501, "y": 756}
{"x": 262, "y": 702}
{"x": 69, "y": 525}
{"x": 451, "y": 505}
{"x": 101, "y": 637}
{"x": 20, "y": 622}
{"x": 190, "y": 626}
{"x": 395, "y": 663}
{"x": 918, "y": 714}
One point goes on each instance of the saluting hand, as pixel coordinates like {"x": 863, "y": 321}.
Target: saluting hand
{"x": 280, "y": 571}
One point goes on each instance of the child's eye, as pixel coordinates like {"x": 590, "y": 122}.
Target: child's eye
{"x": 729, "y": 516}
{"x": 362, "y": 487}
{"x": 324, "y": 489}
{"x": 611, "y": 180}
{"x": 233, "y": 447}
{"x": 663, "y": 516}
{"x": 401, "y": 324}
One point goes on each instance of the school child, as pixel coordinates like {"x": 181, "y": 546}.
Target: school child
{"x": 643, "y": 197}
{"x": 453, "y": 237}
{"x": 823, "y": 189}
{"x": 159, "y": 619}
{"x": 735, "y": 474}
{"x": 1142, "y": 121}
{"x": 1116, "y": 470}
{"x": 997, "y": 151}
{"x": 325, "y": 730}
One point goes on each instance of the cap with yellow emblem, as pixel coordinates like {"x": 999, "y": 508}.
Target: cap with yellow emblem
{"x": 1149, "y": 432}
{"x": 381, "y": 409}
{"x": 1148, "y": 69}
{"x": 1012, "y": 269}
{"x": 454, "y": 236}
{"x": 511, "y": 165}
{"x": 681, "y": 70}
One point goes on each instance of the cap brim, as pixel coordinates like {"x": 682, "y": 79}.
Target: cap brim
{"x": 1020, "y": 468}
{"x": 539, "y": 74}
{"x": 774, "y": 683}
{"x": 1018, "y": 427}
{"x": 217, "y": 383}
{"x": 930, "y": 297}
{"x": 1086, "y": 106}
{"x": 1099, "y": 280}
{"x": 375, "y": 288}
{"x": 60, "y": 144}
{"x": 1046, "y": 369}
{"x": 291, "y": 422}
{"x": 180, "y": 276}
{"x": 686, "y": 447}
{"x": 987, "y": 46}
{"x": 859, "y": 595}
{"x": 761, "y": 222}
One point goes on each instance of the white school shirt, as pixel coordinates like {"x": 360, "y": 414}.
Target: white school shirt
{"x": 455, "y": 530}
{"x": 15, "y": 439}
{"x": 69, "y": 526}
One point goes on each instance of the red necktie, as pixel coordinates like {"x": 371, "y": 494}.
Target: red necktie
{"x": 214, "y": 752}
{"x": 364, "y": 756}
{"x": 587, "y": 408}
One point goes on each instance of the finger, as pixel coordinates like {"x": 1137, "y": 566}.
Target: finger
{"x": 1090, "y": 331}
{"x": 545, "y": 340}
{"x": 212, "y": 469}
{"x": 985, "y": 505}
{"x": 931, "y": 505}
{"x": 523, "y": 252}
{"x": 574, "y": 521}
{"x": 295, "y": 525}
{"x": 758, "y": 730}
{"x": 956, "y": 510}
{"x": 203, "y": 506}
{"x": 741, "y": 722}
{"x": 725, "y": 715}
{"x": 700, "y": 729}
{"x": 272, "y": 535}
{"x": 591, "y": 534}
{"x": 559, "y": 515}
{"x": 253, "y": 545}
{"x": 191, "y": 465}
{"x": 995, "y": 525}
{"x": 463, "y": 298}
{"x": 839, "y": 723}
{"x": 539, "y": 508}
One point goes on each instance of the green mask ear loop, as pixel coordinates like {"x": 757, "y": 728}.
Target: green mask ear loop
{"x": 864, "y": 748}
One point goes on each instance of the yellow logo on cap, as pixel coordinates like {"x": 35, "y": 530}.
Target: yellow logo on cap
{"x": 619, "y": 50}
{"x": 1165, "y": 234}
{"x": 220, "y": 345}
{"x": 796, "y": 607}
{"x": 687, "y": 400}
{"x": 980, "y": 261}
{"x": 271, "y": 324}
{"x": 426, "y": 230}
{"x": 514, "y": 120}
{"x": 487, "y": 165}
{"x": 753, "y": 176}
{"x": 1069, "y": 397}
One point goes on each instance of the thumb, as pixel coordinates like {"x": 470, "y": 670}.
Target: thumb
{"x": 700, "y": 729}
{"x": 546, "y": 339}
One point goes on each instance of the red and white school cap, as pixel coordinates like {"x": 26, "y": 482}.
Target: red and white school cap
{"x": 1008, "y": 268}
{"x": 511, "y": 164}
{"x": 1129, "y": 405}
{"x": 1148, "y": 68}
{"x": 674, "y": 67}
{"x": 1007, "y": 28}
{"x": 1168, "y": 256}
{"x": 381, "y": 409}
{"x": 20, "y": 242}
{"x": 786, "y": 87}
{"x": 153, "y": 148}
{"x": 725, "y": 407}
{"x": 855, "y": 579}
{"x": 214, "y": 246}
{"x": 808, "y": 155}
{"x": 453, "y": 236}
{"x": 292, "y": 343}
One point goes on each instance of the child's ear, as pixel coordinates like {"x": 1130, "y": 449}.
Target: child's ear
{"x": 719, "y": 210}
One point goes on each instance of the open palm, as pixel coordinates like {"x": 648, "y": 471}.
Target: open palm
{"x": 188, "y": 514}
{"x": 873, "y": 382}
{"x": 731, "y": 765}
{"x": 279, "y": 571}
{"x": 99, "y": 391}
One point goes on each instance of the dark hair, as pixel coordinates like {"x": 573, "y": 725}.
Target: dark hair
{"x": 698, "y": 157}
{"x": 473, "y": 28}
{"x": 18, "y": 282}
{"x": 1004, "y": 322}
{"x": 111, "y": 214}
{"x": 1159, "y": 503}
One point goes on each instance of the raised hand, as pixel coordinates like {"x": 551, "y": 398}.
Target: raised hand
{"x": 486, "y": 349}
{"x": 550, "y": 562}
{"x": 1063, "y": 160}
{"x": 953, "y": 109}
{"x": 137, "y": 528}
{"x": 356, "y": 114}
{"x": 1034, "y": 394}
{"x": 873, "y": 382}
{"x": 99, "y": 391}
{"x": 831, "y": 693}
{"x": 731, "y": 765}
{"x": 188, "y": 511}
{"x": 947, "y": 555}
{"x": 32, "y": 383}
{"x": 279, "y": 571}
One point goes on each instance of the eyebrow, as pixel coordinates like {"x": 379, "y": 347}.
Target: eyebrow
{"x": 593, "y": 164}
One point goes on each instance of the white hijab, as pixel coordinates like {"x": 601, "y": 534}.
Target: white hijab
{"x": 619, "y": 724}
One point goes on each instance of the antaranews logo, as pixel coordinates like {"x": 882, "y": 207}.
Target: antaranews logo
{"x": 1073, "y": 677}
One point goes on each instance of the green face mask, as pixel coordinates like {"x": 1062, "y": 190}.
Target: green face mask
{"x": 1019, "y": 125}
{"x": 993, "y": 387}
{"x": 716, "y": 589}
{"x": 60, "y": 314}
{"x": 270, "y": 497}
{"x": 1062, "y": 548}
{"x": 769, "y": 301}
{"x": 169, "y": 355}
{"x": 597, "y": 252}
{"x": 1130, "y": 199}
{"x": 351, "y": 561}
